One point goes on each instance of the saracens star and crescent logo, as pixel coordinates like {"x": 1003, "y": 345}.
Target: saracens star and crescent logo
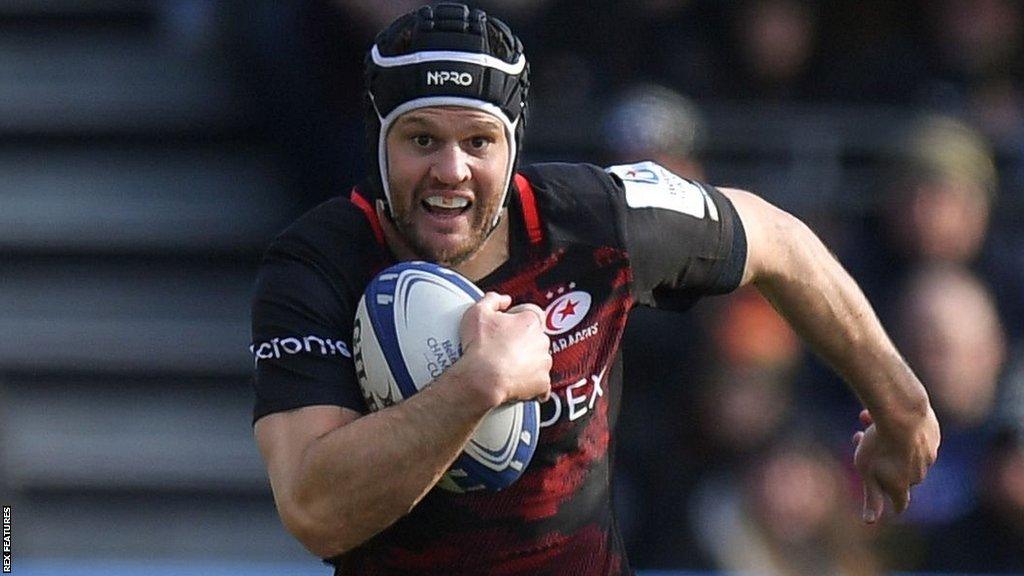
{"x": 566, "y": 311}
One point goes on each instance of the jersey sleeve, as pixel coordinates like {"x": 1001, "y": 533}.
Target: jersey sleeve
{"x": 684, "y": 238}
{"x": 301, "y": 335}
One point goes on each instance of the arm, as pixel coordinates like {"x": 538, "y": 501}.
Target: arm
{"x": 338, "y": 479}
{"x": 797, "y": 274}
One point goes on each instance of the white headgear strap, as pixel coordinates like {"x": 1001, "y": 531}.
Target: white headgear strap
{"x": 417, "y": 103}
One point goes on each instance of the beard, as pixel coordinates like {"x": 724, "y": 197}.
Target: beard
{"x": 481, "y": 216}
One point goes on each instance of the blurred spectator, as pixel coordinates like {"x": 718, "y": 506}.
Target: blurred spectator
{"x": 749, "y": 332}
{"x": 651, "y": 122}
{"x": 584, "y": 50}
{"x": 945, "y": 185}
{"x": 951, "y": 335}
{"x": 938, "y": 207}
{"x": 990, "y": 539}
{"x": 977, "y": 38}
{"x": 978, "y": 45}
{"x": 871, "y": 51}
{"x": 654, "y": 463}
{"x": 1010, "y": 411}
{"x": 684, "y": 432}
{"x": 794, "y": 515}
{"x": 692, "y": 432}
{"x": 978, "y": 72}
{"x": 775, "y": 42}
{"x": 747, "y": 398}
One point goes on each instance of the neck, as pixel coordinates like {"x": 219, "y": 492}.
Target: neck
{"x": 493, "y": 253}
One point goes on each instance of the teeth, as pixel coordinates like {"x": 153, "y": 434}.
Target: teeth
{"x": 447, "y": 202}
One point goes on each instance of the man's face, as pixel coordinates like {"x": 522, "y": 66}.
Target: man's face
{"x": 446, "y": 171}
{"x": 938, "y": 218}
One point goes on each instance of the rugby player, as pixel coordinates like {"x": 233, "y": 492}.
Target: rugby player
{"x": 447, "y": 104}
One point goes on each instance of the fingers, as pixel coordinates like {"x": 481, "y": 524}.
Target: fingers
{"x": 544, "y": 397}
{"x": 495, "y": 302}
{"x": 470, "y": 325}
{"x": 528, "y": 307}
{"x": 874, "y": 500}
{"x": 857, "y": 437}
{"x": 898, "y": 492}
{"x": 534, "y": 314}
{"x": 900, "y": 501}
{"x": 865, "y": 418}
{"x": 888, "y": 467}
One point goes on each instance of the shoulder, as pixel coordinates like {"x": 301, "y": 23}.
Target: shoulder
{"x": 638, "y": 185}
{"x": 333, "y": 240}
{"x": 335, "y": 220}
{"x": 572, "y": 198}
{"x": 650, "y": 185}
{"x": 577, "y": 177}
{"x": 564, "y": 185}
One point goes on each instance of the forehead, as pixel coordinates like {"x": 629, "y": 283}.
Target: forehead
{"x": 455, "y": 117}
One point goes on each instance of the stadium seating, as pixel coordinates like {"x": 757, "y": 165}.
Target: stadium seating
{"x": 135, "y": 198}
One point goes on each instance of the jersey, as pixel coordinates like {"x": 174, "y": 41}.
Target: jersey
{"x": 586, "y": 245}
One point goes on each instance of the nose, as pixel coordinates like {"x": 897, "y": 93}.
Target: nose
{"x": 450, "y": 166}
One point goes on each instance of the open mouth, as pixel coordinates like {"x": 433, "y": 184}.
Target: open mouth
{"x": 448, "y": 206}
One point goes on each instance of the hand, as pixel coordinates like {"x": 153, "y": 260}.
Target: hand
{"x": 505, "y": 351}
{"x": 528, "y": 307}
{"x": 890, "y": 462}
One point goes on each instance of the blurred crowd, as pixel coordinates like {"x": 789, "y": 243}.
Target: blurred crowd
{"x": 735, "y": 449}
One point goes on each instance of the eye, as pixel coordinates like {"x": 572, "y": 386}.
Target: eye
{"x": 422, "y": 140}
{"x": 479, "y": 142}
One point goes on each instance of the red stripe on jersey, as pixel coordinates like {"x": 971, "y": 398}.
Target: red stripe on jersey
{"x": 371, "y": 214}
{"x": 530, "y": 215}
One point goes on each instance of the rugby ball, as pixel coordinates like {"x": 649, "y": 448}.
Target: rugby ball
{"x": 406, "y": 333}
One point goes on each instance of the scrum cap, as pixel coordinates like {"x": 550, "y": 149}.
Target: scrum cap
{"x": 445, "y": 55}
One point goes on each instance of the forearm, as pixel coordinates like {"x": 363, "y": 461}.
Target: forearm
{"x": 827, "y": 308}
{"x": 340, "y": 477}
{"x": 795, "y": 271}
{"x": 360, "y": 478}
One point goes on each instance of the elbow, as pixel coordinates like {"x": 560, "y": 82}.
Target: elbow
{"x": 793, "y": 252}
{"x": 806, "y": 252}
{"x": 796, "y": 237}
{"x": 321, "y": 538}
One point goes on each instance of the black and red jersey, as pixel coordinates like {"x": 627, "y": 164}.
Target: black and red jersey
{"x": 586, "y": 245}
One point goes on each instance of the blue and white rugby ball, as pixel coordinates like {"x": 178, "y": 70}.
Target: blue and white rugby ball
{"x": 406, "y": 334}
